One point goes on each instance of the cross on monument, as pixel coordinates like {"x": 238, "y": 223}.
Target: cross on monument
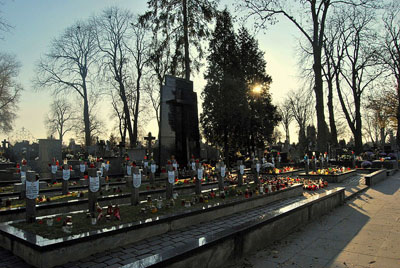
{"x": 4, "y": 143}
{"x": 148, "y": 140}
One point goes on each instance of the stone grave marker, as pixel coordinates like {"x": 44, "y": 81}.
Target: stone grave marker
{"x": 221, "y": 173}
{"x": 94, "y": 187}
{"x": 53, "y": 170}
{"x": 326, "y": 160}
{"x": 240, "y": 170}
{"x": 82, "y": 169}
{"x": 192, "y": 168}
{"x": 306, "y": 164}
{"x": 278, "y": 164}
{"x": 314, "y": 162}
{"x": 170, "y": 180}
{"x": 256, "y": 166}
{"x": 179, "y": 124}
{"x": 32, "y": 191}
{"x": 66, "y": 174}
{"x": 146, "y": 166}
{"x": 153, "y": 169}
{"x": 136, "y": 182}
{"x": 49, "y": 149}
{"x": 199, "y": 174}
{"x": 24, "y": 170}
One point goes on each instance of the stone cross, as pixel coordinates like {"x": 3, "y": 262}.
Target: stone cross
{"x": 199, "y": 174}
{"x": 94, "y": 187}
{"x": 148, "y": 140}
{"x": 171, "y": 175}
{"x": 256, "y": 166}
{"x": 240, "y": 169}
{"x": 136, "y": 182}
{"x": 32, "y": 192}
{"x": 4, "y": 143}
{"x": 221, "y": 173}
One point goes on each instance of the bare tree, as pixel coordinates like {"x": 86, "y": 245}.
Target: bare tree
{"x": 119, "y": 114}
{"x": 10, "y": 91}
{"x": 379, "y": 116}
{"x": 67, "y": 67}
{"x": 152, "y": 90}
{"x": 286, "y": 112}
{"x": 301, "y": 105}
{"x": 309, "y": 17}
{"x": 356, "y": 66}
{"x": 96, "y": 124}
{"x": 141, "y": 55}
{"x": 113, "y": 30}
{"x": 60, "y": 119}
{"x": 390, "y": 53}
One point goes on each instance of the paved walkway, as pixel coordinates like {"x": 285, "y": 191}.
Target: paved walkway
{"x": 365, "y": 232}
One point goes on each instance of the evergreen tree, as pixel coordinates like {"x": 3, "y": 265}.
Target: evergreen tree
{"x": 263, "y": 116}
{"x": 181, "y": 22}
{"x": 224, "y": 94}
{"x": 234, "y": 116}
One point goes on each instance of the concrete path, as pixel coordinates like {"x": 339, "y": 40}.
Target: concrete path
{"x": 365, "y": 232}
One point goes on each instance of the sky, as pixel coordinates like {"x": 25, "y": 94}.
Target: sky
{"x": 37, "y": 23}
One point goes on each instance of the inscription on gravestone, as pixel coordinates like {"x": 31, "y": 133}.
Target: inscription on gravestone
{"x": 179, "y": 124}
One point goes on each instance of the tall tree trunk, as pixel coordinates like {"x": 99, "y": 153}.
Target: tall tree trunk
{"x": 398, "y": 114}
{"x": 382, "y": 132}
{"x": 136, "y": 115}
{"x": 127, "y": 115}
{"x": 186, "y": 37}
{"x": 322, "y": 128}
{"x": 358, "y": 131}
{"x": 332, "y": 123}
{"x": 86, "y": 118}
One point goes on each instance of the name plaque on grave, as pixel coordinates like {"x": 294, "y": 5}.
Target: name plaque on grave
{"x": 241, "y": 169}
{"x": 129, "y": 170}
{"x": 137, "y": 180}
{"x": 53, "y": 169}
{"x": 223, "y": 172}
{"x": 32, "y": 189}
{"x": 171, "y": 176}
{"x": 66, "y": 174}
{"x": 23, "y": 176}
{"x": 258, "y": 166}
{"x": 94, "y": 183}
{"x": 82, "y": 168}
{"x": 200, "y": 173}
{"x": 153, "y": 168}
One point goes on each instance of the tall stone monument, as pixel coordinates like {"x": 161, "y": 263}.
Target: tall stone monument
{"x": 179, "y": 123}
